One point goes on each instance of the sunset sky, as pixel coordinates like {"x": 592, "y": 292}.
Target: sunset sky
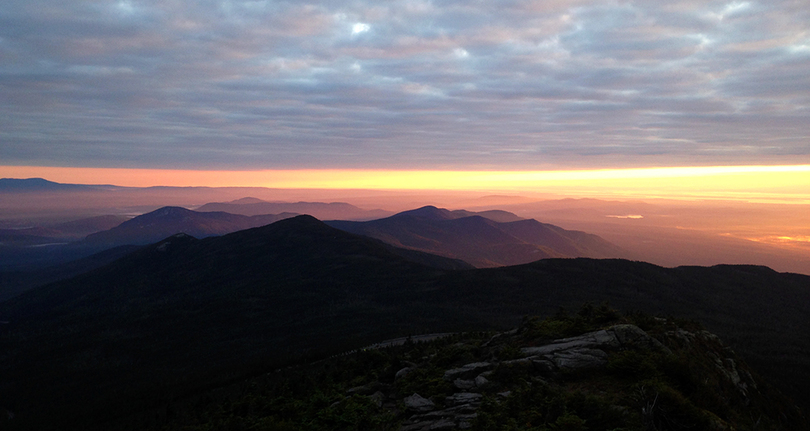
{"x": 403, "y": 86}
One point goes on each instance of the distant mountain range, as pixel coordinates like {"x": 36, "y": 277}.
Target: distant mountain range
{"x": 42, "y": 185}
{"x": 32, "y": 256}
{"x": 485, "y": 239}
{"x": 164, "y": 222}
{"x": 131, "y": 338}
{"x": 319, "y": 210}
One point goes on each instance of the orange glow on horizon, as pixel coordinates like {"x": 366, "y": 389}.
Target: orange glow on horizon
{"x": 790, "y": 183}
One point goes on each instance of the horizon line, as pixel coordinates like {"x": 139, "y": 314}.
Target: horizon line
{"x": 780, "y": 182}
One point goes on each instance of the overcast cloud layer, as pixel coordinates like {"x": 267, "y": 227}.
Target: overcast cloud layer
{"x": 404, "y": 84}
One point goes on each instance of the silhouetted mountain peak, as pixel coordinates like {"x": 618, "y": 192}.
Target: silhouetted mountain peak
{"x": 26, "y": 182}
{"x": 431, "y": 212}
{"x": 483, "y": 239}
{"x": 428, "y": 212}
{"x": 167, "y": 212}
{"x": 299, "y": 224}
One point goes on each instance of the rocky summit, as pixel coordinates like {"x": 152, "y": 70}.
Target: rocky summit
{"x": 551, "y": 364}
{"x": 595, "y": 370}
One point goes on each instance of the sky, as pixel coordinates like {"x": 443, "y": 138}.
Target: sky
{"x": 404, "y": 85}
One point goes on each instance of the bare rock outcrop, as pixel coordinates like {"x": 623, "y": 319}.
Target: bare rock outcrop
{"x": 501, "y": 370}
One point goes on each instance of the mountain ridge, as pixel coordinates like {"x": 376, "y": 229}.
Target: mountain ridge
{"x": 41, "y": 184}
{"x": 163, "y": 222}
{"x": 479, "y": 240}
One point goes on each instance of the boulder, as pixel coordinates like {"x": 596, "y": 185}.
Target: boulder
{"x": 467, "y": 371}
{"x": 463, "y": 398}
{"x": 418, "y": 403}
{"x": 402, "y": 373}
{"x": 575, "y": 359}
{"x": 464, "y": 384}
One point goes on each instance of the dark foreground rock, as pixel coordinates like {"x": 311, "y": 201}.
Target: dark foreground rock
{"x": 596, "y": 370}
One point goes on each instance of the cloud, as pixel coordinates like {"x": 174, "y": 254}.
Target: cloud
{"x": 360, "y": 28}
{"x": 404, "y": 84}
